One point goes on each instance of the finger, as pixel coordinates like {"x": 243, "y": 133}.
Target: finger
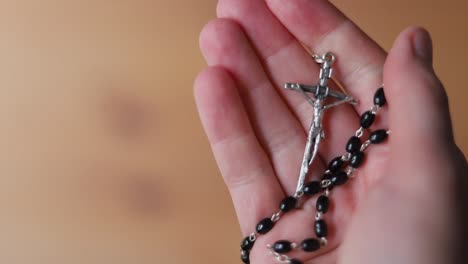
{"x": 243, "y": 163}
{"x": 286, "y": 60}
{"x": 281, "y": 135}
{"x": 322, "y": 27}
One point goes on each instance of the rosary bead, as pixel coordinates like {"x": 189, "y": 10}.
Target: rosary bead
{"x": 246, "y": 244}
{"x": 339, "y": 178}
{"x": 367, "y": 119}
{"x": 379, "y": 97}
{"x": 356, "y": 159}
{"x": 378, "y": 136}
{"x": 245, "y": 257}
{"x": 353, "y": 145}
{"x": 312, "y": 188}
{"x": 282, "y": 246}
{"x": 310, "y": 245}
{"x": 288, "y": 204}
{"x": 336, "y": 164}
{"x": 265, "y": 226}
{"x": 295, "y": 261}
{"x": 323, "y": 204}
{"x": 321, "y": 229}
{"x": 326, "y": 176}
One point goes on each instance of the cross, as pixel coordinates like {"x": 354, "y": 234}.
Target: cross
{"x": 320, "y": 92}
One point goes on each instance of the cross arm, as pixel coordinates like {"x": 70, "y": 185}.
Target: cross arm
{"x": 313, "y": 89}
{"x": 348, "y": 99}
{"x": 298, "y": 87}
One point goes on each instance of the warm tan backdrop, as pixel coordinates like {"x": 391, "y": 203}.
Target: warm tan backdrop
{"x": 102, "y": 157}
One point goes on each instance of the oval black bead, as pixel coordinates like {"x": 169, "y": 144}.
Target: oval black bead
{"x": 339, "y": 178}
{"x": 323, "y": 204}
{"x": 321, "y": 229}
{"x": 356, "y": 159}
{"x": 327, "y": 176}
{"x": 353, "y": 145}
{"x": 310, "y": 245}
{"x": 247, "y": 244}
{"x": 336, "y": 164}
{"x": 265, "y": 226}
{"x": 245, "y": 257}
{"x": 379, "y": 97}
{"x": 288, "y": 204}
{"x": 312, "y": 188}
{"x": 282, "y": 246}
{"x": 367, "y": 119}
{"x": 378, "y": 136}
{"x": 295, "y": 261}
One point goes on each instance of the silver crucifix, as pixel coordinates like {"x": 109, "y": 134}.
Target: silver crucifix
{"x": 320, "y": 92}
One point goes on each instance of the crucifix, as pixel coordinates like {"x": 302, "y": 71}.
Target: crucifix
{"x": 319, "y": 92}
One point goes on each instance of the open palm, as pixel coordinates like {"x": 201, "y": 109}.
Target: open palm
{"x": 258, "y": 130}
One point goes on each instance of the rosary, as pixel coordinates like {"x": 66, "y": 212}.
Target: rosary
{"x": 339, "y": 170}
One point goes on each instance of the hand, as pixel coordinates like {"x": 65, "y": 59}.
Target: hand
{"x": 402, "y": 205}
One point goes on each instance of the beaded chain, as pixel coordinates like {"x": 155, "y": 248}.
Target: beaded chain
{"x": 339, "y": 171}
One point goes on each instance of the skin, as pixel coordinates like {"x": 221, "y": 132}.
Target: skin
{"x": 405, "y": 204}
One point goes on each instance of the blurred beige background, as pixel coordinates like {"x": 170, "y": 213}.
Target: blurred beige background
{"x": 103, "y": 159}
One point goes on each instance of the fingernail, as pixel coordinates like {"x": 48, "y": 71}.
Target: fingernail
{"x": 422, "y": 45}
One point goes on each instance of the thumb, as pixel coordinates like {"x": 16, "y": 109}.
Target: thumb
{"x": 418, "y": 103}
{"x": 404, "y": 221}
{"x": 422, "y": 139}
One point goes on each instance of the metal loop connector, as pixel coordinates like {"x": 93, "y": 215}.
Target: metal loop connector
{"x": 299, "y": 194}
{"x": 360, "y": 132}
{"x": 276, "y": 217}
{"x": 350, "y": 173}
{"x": 282, "y": 259}
{"x": 323, "y": 241}
{"x": 318, "y": 216}
{"x": 346, "y": 157}
{"x": 325, "y": 183}
{"x": 327, "y": 57}
{"x": 365, "y": 145}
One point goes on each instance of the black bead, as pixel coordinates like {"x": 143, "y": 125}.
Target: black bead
{"x": 312, "y": 188}
{"x": 282, "y": 246}
{"x": 247, "y": 244}
{"x": 323, "y": 203}
{"x": 265, "y": 226}
{"x": 356, "y": 159}
{"x": 326, "y": 176}
{"x": 288, "y": 204}
{"x": 245, "y": 257}
{"x": 310, "y": 245}
{"x": 336, "y": 164}
{"x": 295, "y": 261}
{"x": 367, "y": 119}
{"x": 339, "y": 178}
{"x": 353, "y": 145}
{"x": 379, "y": 97}
{"x": 378, "y": 136}
{"x": 321, "y": 229}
